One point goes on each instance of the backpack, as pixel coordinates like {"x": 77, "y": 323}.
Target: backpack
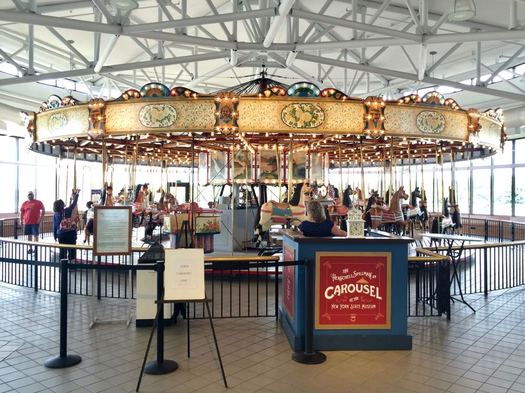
{"x": 67, "y": 224}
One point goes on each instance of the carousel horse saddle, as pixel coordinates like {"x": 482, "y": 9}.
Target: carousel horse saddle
{"x": 281, "y": 211}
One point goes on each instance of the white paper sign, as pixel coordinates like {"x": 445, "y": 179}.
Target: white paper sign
{"x": 112, "y": 230}
{"x": 184, "y": 274}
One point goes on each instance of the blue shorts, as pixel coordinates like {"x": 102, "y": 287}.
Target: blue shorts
{"x": 31, "y": 229}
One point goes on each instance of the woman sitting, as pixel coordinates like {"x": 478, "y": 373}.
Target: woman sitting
{"x": 317, "y": 224}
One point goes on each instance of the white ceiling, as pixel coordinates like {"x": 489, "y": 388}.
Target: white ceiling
{"x": 387, "y": 52}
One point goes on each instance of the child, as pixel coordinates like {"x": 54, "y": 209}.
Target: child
{"x": 90, "y": 215}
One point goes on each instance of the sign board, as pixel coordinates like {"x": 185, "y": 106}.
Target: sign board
{"x": 112, "y": 230}
{"x": 289, "y": 281}
{"x": 353, "y": 290}
{"x": 184, "y": 274}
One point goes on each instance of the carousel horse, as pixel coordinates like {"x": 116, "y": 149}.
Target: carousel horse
{"x": 359, "y": 203}
{"x": 273, "y": 212}
{"x": 442, "y": 223}
{"x": 391, "y": 216}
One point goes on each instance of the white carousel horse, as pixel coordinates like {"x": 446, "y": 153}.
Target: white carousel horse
{"x": 360, "y": 201}
{"x": 380, "y": 215}
{"x": 273, "y": 212}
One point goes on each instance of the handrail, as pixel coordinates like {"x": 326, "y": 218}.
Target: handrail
{"x": 479, "y": 246}
{"x": 143, "y": 249}
{"x": 429, "y": 256}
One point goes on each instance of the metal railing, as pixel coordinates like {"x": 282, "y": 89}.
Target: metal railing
{"x": 493, "y": 230}
{"x": 250, "y": 286}
{"x": 237, "y": 286}
{"x": 489, "y": 267}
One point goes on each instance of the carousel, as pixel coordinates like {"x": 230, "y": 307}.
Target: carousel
{"x": 259, "y": 150}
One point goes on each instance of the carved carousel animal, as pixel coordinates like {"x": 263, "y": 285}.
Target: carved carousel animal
{"x": 417, "y": 210}
{"x": 390, "y": 218}
{"x": 285, "y": 214}
{"x": 442, "y": 223}
{"x": 359, "y": 202}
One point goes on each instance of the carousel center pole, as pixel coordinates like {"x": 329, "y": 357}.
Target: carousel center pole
{"x": 290, "y": 170}
{"x": 362, "y": 168}
{"x": 278, "y": 171}
{"x": 409, "y": 170}
{"x": 340, "y": 169}
{"x": 75, "y": 167}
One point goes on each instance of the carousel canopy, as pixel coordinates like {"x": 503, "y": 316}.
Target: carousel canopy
{"x": 157, "y": 124}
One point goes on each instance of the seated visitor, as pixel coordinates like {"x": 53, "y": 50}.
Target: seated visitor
{"x": 317, "y": 224}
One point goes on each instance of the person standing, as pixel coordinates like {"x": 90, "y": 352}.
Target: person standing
{"x": 31, "y": 213}
{"x": 64, "y": 229}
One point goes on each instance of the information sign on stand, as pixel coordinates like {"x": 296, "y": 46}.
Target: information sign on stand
{"x": 112, "y": 236}
{"x": 184, "y": 274}
{"x": 112, "y": 230}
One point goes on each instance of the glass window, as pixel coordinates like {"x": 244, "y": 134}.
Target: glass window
{"x": 520, "y": 192}
{"x": 462, "y": 189}
{"x": 7, "y": 149}
{"x": 504, "y": 157}
{"x": 502, "y": 191}
{"x": 7, "y": 199}
{"x": 481, "y": 162}
{"x": 481, "y": 191}
{"x": 519, "y": 147}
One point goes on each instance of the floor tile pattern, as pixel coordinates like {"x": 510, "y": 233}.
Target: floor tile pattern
{"x": 475, "y": 352}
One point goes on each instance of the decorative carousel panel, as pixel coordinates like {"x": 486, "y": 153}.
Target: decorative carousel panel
{"x": 157, "y": 116}
{"x": 269, "y": 166}
{"x": 298, "y": 166}
{"x": 490, "y": 133}
{"x": 242, "y": 166}
{"x": 316, "y": 167}
{"x": 207, "y": 224}
{"x": 62, "y": 123}
{"x": 420, "y": 122}
{"x": 203, "y": 168}
{"x": 287, "y": 114}
{"x": 170, "y": 114}
{"x": 218, "y": 167}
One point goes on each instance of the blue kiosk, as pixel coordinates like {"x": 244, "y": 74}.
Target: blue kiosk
{"x": 359, "y": 291}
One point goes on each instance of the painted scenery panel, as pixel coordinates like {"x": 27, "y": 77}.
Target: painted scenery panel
{"x": 299, "y": 166}
{"x": 218, "y": 167}
{"x": 203, "y": 168}
{"x": 316, "y": 167}
{"x": 242, "y": 166}
{"x": 269, "y": 166}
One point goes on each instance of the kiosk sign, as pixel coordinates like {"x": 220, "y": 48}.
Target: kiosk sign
{"x": 352, "y": 290}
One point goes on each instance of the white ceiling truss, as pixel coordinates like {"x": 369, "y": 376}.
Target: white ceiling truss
{"x": 362, "y": 47}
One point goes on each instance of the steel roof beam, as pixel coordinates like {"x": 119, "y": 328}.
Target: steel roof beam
{"x": 412, "y": 77}
{"x": 114, "y": 68}
{"x": 356, "y": 25}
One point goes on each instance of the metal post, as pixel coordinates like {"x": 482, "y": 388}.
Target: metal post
{"x": 35, "y": 266}
{"x": 309, "y": 356}
{"x": 485, "y": 273}
{"x": 160, "y": 366}
{"x": 486, "y": 230}
{"x": 63, "y": 360}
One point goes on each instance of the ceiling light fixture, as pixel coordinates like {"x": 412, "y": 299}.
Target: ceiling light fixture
{"x": 462, "y": 10}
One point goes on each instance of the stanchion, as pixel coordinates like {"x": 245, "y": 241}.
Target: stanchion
{"x": 63, "y": 360}
{"x": 309, "y": 356}
{"x": 161, "y": 365}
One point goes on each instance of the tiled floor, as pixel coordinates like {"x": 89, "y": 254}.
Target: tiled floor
{"x": 481, "y": 352}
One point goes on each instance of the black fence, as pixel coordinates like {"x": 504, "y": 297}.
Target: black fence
{"x": 237, "y": 286}
{"x": 250, "y": 286}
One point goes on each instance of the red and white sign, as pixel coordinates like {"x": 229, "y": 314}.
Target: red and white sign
{"x": 352, "y": 290}
{"x": 289, "y": 282}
